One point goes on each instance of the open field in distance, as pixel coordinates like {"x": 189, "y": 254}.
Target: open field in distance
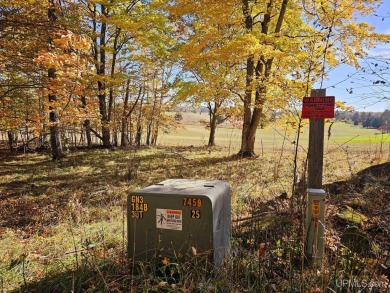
{"x": 272, "y": 137}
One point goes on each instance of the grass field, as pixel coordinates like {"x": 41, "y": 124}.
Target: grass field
{"x": 62, "y": 224}
{"x": 193, "y": 133}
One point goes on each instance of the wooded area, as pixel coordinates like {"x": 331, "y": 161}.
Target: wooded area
{"x": 105, "y": 72}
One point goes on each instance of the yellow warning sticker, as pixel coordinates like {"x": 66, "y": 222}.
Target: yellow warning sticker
{"x": 315, "y": 208}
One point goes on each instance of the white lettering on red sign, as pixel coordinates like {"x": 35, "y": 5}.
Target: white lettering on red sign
{"x": 318, "y": 107}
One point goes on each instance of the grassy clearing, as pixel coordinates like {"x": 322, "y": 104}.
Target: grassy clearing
{"x": 272, "y": 137}
{"x": 63, "y": 223}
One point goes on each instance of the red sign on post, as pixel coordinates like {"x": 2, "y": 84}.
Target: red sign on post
{"x": 318, "y": 107}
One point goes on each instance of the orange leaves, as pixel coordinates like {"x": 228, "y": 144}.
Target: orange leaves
{"x": 71, "y": 40}
{"x": 262, "y": 250}
{"x": 165, "y": 261}
{"x": 68, "y": 84}
{"x": 62, "y": 42}
{"x": 59, "y": 59}
{"x": 25, "y": 57}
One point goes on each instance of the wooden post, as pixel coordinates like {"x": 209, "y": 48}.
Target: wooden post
{"x": 316, "y": 147}
{"x": 315, "y": 208}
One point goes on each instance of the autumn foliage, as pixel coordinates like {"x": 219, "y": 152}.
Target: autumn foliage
{"x": 109, "y": 70}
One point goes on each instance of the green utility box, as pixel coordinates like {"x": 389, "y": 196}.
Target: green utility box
{"x": 179, "y": 217}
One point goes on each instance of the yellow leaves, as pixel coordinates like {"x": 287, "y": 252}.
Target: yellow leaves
{"x": 158, "y": 4}
{"x": 47, "y": 60}
{"x": 243, "y": 46}
{"x": 339, "y": 22}
{"x": 213, "y": 12}
{"x": 244, "y": 263}
{"x": 162, "y": 284}
{"x": 342, "y": 106}
{"x": 71, "y": 40}
{"x": 232, "y": 51}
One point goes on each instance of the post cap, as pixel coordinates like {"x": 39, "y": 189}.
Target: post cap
{"x": 315, "y": 191}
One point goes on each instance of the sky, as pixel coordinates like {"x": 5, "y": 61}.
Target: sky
{"x": 357, "y": 89}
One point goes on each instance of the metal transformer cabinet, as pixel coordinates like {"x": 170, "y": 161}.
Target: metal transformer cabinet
{"x": 175, "y": 216}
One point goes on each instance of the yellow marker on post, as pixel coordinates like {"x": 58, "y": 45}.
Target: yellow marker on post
{"x": 315, "y": 225}
{"x": 315, "y": 208}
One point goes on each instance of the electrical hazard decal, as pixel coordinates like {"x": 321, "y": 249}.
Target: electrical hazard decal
{"x": 169, "y": 219}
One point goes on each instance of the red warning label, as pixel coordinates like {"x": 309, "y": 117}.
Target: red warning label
{"x": 318, "y": 107}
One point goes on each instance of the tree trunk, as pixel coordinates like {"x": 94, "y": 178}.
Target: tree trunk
{"x": 113, "y": 66}
{"x": 247, "y": 142}
{"x": 100, "y": 59}
{"x": 106, "y": 135}
{"x": 213, "y": 127}
{"x": 115, "y": 137}
{"x": 139, "y": 125}
{"x": 55, "y": 140}
{"x": 126, "y": 115}
{"x": 10, "y": 140}
{"x": 130, "y": 131}
{"x": 151, "y": 123}
{"x": 124, "y": 133}
{"x": 103, "y": 112}
{"x": 88, "y": 133}
{"x": 262, "y": 72}
{"x": 148, "y": 133}
{"x": 138, "y": 135}
{"x": 158, "y": 109}
{"x": 111, "y": 91}
{"x": 213, "y": 123}
{"x": 124, "y": 124}
{"x": 155, "y": 135}
{"x": 246, "y": 150}
{"x": 87, "y": 125}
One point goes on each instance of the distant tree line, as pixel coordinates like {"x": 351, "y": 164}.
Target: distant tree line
{"x": 377, "y": 120}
